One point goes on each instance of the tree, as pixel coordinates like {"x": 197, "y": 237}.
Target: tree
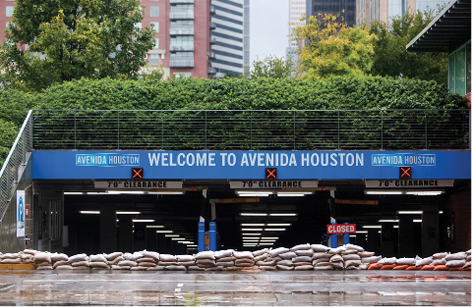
{"x": 271, "y": 67}
{"x": 391, "y": 57}
{"x": 331, "y": 48}
{"x": 51, "y": 41}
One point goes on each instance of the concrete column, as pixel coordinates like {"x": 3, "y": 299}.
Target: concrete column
{"x": 151, "y": 239}
{"x": 125, "y": 230}
{"x": 406, "y": 242}
{"x": 430, "y": 231}
{"x": 161, "y": 243}
{"x": 139, "y": 236}
{"x": 108, "y": 231}
{"x": 373, "y": 241}
{"x": 388, "y": 240}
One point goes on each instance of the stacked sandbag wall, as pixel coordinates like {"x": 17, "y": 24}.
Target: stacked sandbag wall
{"x": 300, "y": 257}
{"x": 443, "y": 261}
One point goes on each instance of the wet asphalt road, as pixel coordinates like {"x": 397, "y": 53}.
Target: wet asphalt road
{"x": 280, "y": 288}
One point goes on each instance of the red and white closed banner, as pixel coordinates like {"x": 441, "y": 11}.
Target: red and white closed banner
{"x": 341, "y": 228}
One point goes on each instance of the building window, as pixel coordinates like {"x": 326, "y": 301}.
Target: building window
{"x": 468, "y": 69}
{"x": 138, "y": 25}
{"x": 9, "y": 10}
{"x": 155, "y": 24}
{"x": 156, "y": 44}
{"x": 154, "y": 11}
{"x": 154, "y": 59}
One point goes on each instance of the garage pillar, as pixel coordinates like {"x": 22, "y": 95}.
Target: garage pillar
{"x": 151, "y": 239}
{"x": 430, "y": 231}
{"x": 388, "y": 240}
{"x": 125, "y": 231}
{"x": 406, "y": 242}
{"x": 373, "y": 241}
{"x": 161, "y": 243}
{"x": 108, "y": 229}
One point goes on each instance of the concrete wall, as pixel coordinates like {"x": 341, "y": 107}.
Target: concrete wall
{"x": 8, "y": 239}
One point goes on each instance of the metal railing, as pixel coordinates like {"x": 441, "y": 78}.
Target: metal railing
{"x": 252, "y": 130}
{"x": 17, "y": 158}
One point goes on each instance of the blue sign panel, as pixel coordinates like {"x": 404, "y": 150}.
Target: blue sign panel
{"x": 290, "y": 165}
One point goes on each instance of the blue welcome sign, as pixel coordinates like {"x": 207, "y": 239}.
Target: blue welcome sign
{"x": 314, "y": 165}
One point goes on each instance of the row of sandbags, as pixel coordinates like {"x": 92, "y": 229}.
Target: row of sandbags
{"x": 443, "y": 261}
{"x": 299, "y": 257}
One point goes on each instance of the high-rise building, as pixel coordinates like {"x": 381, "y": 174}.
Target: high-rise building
{"x": 228, "y": 35}
{"x": 197, "y": 38}
{"x": 383, "y": 10}
{"x": 247, "y": 62}
{"x": 346, "y": 8}
{"x": 296, "y": 10}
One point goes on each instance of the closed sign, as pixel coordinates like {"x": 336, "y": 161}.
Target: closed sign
{"x": 341, "y": 228}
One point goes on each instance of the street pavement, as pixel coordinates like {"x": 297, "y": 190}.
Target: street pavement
{"x": 245, "y": 288}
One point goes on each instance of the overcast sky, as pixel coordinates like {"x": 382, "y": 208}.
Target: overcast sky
{"x": 268, "y": 28}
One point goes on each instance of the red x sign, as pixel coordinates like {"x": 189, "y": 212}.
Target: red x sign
{"x": 271, "y": 173}
{"x": 137, "y": 173}
{"x": 405, "y": 172}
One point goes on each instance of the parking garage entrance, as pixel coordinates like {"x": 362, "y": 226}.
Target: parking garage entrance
{"x": 399, "y": 202}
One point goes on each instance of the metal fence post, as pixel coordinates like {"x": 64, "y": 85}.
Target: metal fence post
{"x": 294, "y": 127}
{"x": 339, "y": 132}
{"x": 381, "y": 130}
{"x": 118, "y": 115}
{"x": 251, "y": 129}
{"x": 75, "y": 130}
{"x": 206, "y": 130}
{"x": 426, "y": 129}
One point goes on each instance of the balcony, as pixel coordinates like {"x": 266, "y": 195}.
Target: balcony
{"x": 212, "y": 25}
{"x": 211, "y": 55}
{"x": 181, "y": 47}
{"x": 182, "y": 15}
{"x": 212, "y": 70}
{"x": 212, "y": 10}
{"x": 181, "y": 63}
{"x": 181, "y": 1}
{"x": 182, "y": 31}
{"x": 212, "y": 40}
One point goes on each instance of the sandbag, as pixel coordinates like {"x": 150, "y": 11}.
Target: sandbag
{"x": 167, "y": 258}
{"x": 98, "y": 258}
{"x": 303, "y": 268}
{"x": 280, "y": 250}
{"x": 40, "y": 257}
{"x": 12, "y": 261}
{"x": 366, "y": 254}
{"x": 186, "y": 263}
{"x": 29, "y": 251}
{"x": 185, "y": 258}
{"x": 64, "y": 267}
{"x": 240, "y": 255}
{"x": 261, "y": 257}
{"x": 406, "y": 261}
{"x": 176, "y": 268}
{"x": 205, "y": 261}
{"x": 266, "y": 263}
{"x": 116, "y": 260}
{"x": 305, "y": 252}
{"x": 288, "y": 255}
{"x": 77, "y": 258}
{"x": 98, "y": 264}
{"x": 424, "y": 261}
{"x": 318, "y": 255}
{"x": 440, "y": 255}
{"x": 336, "y": 250}
{"x": 349, "y": 263}
{"x": 146, "y": 259}
{"x": 441, "y": 261}
{"x": 353, "y": 246}
{"x": 456, "y": 256}
{"x": 316, "y": 261}
{"x": 284, "y": 267}
{"x": 151, "y": 254}
{"x": 388, "y": 261}
{"x": 319, "y": 248}
{"x": 267, "y": 268}
{"x": 338, "y": 265}
{"x": 336, "y": 258}
{"x": 146, "y": 264}
{"x": 351, "y": 257}
{"x": 260, "y": 252}
{"x": 205, "y": 255}
{"x": 60, "y": 262}
{"x": 301, "y": 263}
{"x": 58, "y": 257}
{"x": 11, "y": 255}
{"x": 112, "y": 256}
{"x": 285, "y": 262}
{"x": 224, "y": 264}
{"x": 302, "y": 259}
{"x": 455, "y": 263}
{"x": 81, "y": 263}
{"x": 300, "y": 247}
{"x": 226, "y": 259}
{"x": 129, "y": 263}
{"x": 348, "y": 251}
{"x": 156, "y": 268}
{"x": 223, "y": 253}
{"x": 373, "y": 259}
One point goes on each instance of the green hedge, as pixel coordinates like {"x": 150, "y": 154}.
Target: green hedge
{"x": 243, "y": 94}
{"x": 337, "y": 93}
